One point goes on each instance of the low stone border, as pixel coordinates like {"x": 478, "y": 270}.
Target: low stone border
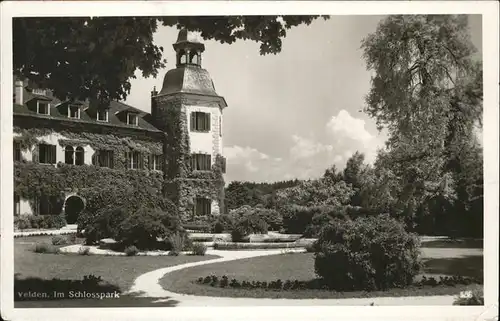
{"x": 95, "y": 250}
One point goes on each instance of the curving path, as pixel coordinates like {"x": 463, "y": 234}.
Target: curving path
{"x": 147, "y": 285}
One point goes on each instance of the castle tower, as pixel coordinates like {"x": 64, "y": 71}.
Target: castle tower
{"x": 190, "y": 112}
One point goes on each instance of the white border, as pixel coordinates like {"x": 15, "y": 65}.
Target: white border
{"x": 489, "y": 10}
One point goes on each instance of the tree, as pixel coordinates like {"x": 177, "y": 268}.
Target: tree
{"x": 353, "y": 172}
{"x": 427, "y": 91}
{"x": 95, "y": 58}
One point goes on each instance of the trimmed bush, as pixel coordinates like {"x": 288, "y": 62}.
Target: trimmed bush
{"x": 273, "y": 219}
{"x": 144, "y": 227}
{"x": 223, "y": 223}
{"x": 59, "y": 240}
{"x": 198, "y": 227}
{"x": 368, "y": 253}
{"x": 24, "y": 222}
{"x": 46, "y": 248}
{"x": 199, "y": 249}
{"x": 249, "y": 224}
{"x": 105, "y": 224}
{"x": 131, "y": 250}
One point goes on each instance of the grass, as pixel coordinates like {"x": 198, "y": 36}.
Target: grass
{"x": 117, "y": 271}
{"x": 300, "y": 266}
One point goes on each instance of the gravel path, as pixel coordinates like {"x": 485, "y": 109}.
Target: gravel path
{"x": 147, "y": 285}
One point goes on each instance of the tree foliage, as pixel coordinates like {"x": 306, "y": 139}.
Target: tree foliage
{"x": 96, "y": 57}
{"x": 427, "y": 92}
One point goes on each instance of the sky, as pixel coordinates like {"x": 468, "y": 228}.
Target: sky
{"x": 294, "y": 114}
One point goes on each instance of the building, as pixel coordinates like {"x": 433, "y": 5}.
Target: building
{"x": 180, "y": 141}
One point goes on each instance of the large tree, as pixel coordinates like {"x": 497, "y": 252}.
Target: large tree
{"x": 427, "y": 92}
{"x": 85, "y": 57}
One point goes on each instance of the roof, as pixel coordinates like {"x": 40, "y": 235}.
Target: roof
{"x": 190, "y": 79}
{"x": 87, "y": 115}
{"x": 188, "y": 36}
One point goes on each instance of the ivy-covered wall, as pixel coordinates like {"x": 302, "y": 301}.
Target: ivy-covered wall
{"x": 182, "y": 184}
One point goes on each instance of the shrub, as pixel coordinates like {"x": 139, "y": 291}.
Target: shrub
{"x": 199, "y": 249}
{"x": 84, "y": 250}
{"x": 222, "y": 223}
{"x": 296, "y": 218}
{"x": 144, "y": 227}
{"x": 475, "y": 298}
{"x": 23, "y": 222}
{"x": 131, "y": 250}
{"x": 368, "y": 253}
{"x": 59, "y": 240}
{"x": 199, "y": 227}
{"x": 177, "y": 243}
{"x": 105, "y": 224}
{"x": 249, "y": 224}
{"x": 273, "y": 219}
{"x": 45, "y": 248}
{"x": 310, "y": 248}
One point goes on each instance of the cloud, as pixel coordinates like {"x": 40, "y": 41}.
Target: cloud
{"x": 346, "y": 126}
{"x": 307, "y": 157}
{"x": 237, "y": 153}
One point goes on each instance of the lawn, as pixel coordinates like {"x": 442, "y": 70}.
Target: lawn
{"x": 300, "y": 266}
{"x": 118, "y": 272}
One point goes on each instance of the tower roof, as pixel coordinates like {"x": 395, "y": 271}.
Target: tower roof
{"x": 188, "y": 79}
{"x": 188, "y": 39}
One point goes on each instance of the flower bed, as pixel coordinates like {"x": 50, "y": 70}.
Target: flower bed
{"x": 316, "y": 284}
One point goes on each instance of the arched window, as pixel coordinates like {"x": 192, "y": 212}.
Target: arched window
{"x": 183, "y": 57}
{"x": 79, "y": 156}
{"x": 193, "y": 58}
{"x": 69, "y": 155}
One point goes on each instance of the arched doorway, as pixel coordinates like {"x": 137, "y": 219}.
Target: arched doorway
{"x": 73, "y": 206}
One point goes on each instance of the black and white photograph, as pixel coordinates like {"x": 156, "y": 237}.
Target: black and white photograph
{"x": 248, "y": 160}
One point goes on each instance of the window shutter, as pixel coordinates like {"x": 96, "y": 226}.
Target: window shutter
{"x": 193, "y": 121}
{"x": 207, "y": 121}
{"x": 52, "y": 154}
{"x": 208, "y": 162}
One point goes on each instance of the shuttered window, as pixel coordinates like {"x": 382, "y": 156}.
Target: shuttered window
{"x": 103, "y": 158}
{"x": 155, "y": 162}
{"x": 200, "y": 121}
{"x": 201, "y": 162}
{"x": 17, "y": 151}
{"x": 202, "y": 207}
{"x": 47, "y": 154}
{"x": 133, "y": 160}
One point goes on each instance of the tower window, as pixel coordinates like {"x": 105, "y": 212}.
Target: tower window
{"x": 42, "y": 108}
{"x": 200, "y": 121}
{"x": 201, "y": 162}
{"x": 47, "y": 154}
{"x": 202, "y": 206}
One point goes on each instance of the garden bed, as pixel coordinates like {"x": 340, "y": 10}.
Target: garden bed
{"x": 300, "y": 267}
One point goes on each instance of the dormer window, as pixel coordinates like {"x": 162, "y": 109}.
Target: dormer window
{"x": 132, "y": 119}
{"x": 37, "y": 91}
{"x": 102, "y": 115}
{"x": 74, "y": 112}
{"x": 42, "y": 108}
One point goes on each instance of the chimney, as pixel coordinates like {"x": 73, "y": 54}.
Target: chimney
{"x": 153, "y": 102}
{"x": 18, "y": 92}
